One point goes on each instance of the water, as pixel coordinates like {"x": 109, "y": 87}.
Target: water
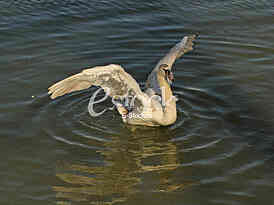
{"x": 220, "y": 150}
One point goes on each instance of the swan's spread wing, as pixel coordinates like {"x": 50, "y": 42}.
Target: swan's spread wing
{"x": 184, "y": 46}
{"x": 112, "y": 78}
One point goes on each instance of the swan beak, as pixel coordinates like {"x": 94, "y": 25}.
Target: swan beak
{"x": 170, "y": 78}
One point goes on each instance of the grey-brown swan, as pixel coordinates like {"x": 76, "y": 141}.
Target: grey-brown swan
{"x": 156, "y": 106}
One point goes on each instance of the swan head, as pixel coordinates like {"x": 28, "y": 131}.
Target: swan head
{"x": 159, "y": 78}
{"x": 166, "y": 73}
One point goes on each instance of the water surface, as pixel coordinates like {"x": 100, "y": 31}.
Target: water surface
{"x": 219, "y": 151}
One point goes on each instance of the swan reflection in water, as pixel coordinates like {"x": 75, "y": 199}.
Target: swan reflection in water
{"x": 144, "y": 161}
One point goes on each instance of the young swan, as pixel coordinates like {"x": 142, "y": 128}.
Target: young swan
{"x": 154, "y": 107}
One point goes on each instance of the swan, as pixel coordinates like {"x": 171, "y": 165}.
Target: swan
{"x": 156, "y": 106}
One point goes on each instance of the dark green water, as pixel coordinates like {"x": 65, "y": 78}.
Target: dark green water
{"x": 220, "y": 150}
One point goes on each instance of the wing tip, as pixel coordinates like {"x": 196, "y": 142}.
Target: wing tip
{"x": 187, "y": 43}
{"x": 50, "y": 93}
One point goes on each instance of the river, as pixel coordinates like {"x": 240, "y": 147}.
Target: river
{"x": 219, "y": 151}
